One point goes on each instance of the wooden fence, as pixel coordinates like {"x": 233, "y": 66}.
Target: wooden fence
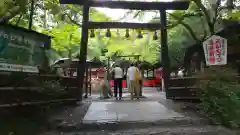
{"x": 18, "y": 89}
{"x": 182, "y": 89}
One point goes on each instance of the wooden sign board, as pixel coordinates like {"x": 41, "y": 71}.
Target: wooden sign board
{"x": 215, "y": 50}
{"x": 21, "y": 49}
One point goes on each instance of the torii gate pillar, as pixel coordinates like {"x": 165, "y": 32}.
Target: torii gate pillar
{"x": 133, "y": 5}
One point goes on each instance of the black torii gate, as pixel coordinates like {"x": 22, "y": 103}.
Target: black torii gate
{"x": 133, "y": 5}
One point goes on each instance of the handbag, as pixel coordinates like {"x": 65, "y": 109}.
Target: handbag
{"x": 137, "y": 76}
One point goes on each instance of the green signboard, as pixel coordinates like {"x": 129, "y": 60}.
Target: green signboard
{"x": 21, "y": 49}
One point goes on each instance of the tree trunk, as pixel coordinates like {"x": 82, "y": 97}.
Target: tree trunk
{"x": 19, "y": 19}
{"x": 70, "y": 53}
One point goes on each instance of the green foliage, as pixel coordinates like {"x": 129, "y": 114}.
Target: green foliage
{"x": 7, "y": 7}
{"x": 234, "y": 15}
{"x": 220, "y": 96}
{"x": 52, "y": 55}
{"x": 65, "y": 36}
{"x": 61, "y": 21}
{"x": 11, "y": 8}
{"x": 146, "y": 47}
{"x": 183, "y": 33}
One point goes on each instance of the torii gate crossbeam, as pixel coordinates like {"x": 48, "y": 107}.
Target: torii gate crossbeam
{"x": 133, "y": 5}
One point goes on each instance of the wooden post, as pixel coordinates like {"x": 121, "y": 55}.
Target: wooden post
{"x": 30, "y": 21}
{"x": 164, "y": 50}
{"x": 108, "y": 67}
{"x": 153, "y": 72}
{"x": 86, "y": 80}
{"x": 83, "y": 49}
{"x": 90, "y": 79}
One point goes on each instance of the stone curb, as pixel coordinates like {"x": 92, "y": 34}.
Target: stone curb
{"x": 71, "y": 127}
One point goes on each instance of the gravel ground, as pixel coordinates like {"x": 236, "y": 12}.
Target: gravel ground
{"x": 70, "y": 114}
{"x": 36, "y": 119}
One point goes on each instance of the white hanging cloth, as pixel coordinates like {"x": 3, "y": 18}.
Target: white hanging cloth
{"x": 118, "y": 35}
{"x": 99, "y": 34}
{"x": 147, "y": 41}
{"x": 133, "y": 37}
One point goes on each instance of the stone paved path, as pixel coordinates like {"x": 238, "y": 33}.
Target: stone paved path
{"x": 128, "y": 111}
{"x": 153, "y": 115}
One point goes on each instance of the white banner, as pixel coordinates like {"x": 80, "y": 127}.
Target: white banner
{"x": 215, "y": 50}
{"x": 18, "y": 68}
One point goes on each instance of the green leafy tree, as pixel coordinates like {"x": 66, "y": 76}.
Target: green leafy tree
{"x": 207, "y": 15}
{"x": 62, "y": 22}
{"x": 11, "y": 8}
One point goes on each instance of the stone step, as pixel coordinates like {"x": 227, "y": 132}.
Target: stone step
{"x": 178, "y": 130}
{"x": 71, "y": 127}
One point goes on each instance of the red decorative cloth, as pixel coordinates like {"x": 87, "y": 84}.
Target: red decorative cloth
{"x": 101, "y": 73}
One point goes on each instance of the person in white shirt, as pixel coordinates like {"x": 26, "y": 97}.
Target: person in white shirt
{"x": 180, "y": 72}
{"x": 131, "y": 76}
{"x": 118, "y": 77}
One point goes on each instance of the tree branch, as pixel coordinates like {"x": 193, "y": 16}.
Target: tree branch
{"x": 127, "y": 14}
{"x": 176, "y": 59}
{"x": 73, "y": 21}
{"x": 208, "y": 18}
{"x": 190, "y": 30}
{"x": 19, "y": 19}
{"x": 10, "y": 14}
{"x": 205, "y": 31}
{"x": 138, "y": 13}
{"x": 216, "y": 10}
{"x": 177, "y": 23}
{"x": 65, "y": 14}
